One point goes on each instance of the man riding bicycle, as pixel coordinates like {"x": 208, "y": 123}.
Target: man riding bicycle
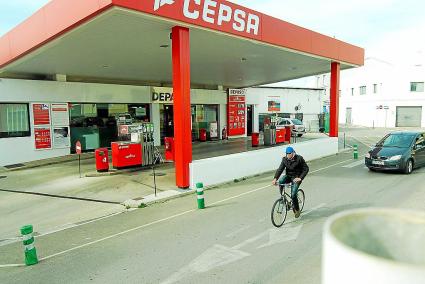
{"x": 296, "y": 171}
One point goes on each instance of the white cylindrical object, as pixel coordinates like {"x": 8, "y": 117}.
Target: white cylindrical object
{"x": 374, "y": 246}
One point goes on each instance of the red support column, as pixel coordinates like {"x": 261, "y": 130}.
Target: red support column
{"x": 334, "y": 107}
{"x": 181, "y": 90}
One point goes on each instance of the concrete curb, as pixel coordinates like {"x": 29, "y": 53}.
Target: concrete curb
{"x": 103, "y": 174}
{"x": 131, "y": 203}
{"x": 48, "y": 162}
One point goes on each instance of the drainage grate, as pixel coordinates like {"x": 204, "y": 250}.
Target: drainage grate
{"x": 14, "y": 166}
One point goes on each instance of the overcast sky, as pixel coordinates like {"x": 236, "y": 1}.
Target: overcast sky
{"x": 382, "y": 27}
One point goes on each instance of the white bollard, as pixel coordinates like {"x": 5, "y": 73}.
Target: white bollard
{"x": 374, "y": 246}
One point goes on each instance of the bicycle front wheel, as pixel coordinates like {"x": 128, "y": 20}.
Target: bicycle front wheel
{"x": 279, "y": 212}
{"x": 301, "y": 199}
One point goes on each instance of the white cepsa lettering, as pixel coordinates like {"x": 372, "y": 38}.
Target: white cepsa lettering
{"x": 215, "y": 13}
{"x": 162, "y": 97}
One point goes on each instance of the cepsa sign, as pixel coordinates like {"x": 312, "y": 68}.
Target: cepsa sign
{"x": 215, "y": 13}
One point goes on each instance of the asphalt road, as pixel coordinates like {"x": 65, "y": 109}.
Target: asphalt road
{"x": 231, "y": 241}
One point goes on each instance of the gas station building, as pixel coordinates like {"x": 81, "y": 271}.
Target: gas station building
{"x": 169, "y": 62}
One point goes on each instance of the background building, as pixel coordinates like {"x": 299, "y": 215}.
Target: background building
{"x": 383, "y": 94}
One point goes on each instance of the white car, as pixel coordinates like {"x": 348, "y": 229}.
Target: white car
{"x": 297, "y": 126}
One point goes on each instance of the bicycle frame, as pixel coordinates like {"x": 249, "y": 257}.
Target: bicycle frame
{"x": 285, "y": 195}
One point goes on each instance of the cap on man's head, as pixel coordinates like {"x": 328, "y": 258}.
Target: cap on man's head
{"x": 290, "y": 150}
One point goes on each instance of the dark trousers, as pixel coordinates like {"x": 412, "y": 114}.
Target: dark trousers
{"x": 294, "y": 190}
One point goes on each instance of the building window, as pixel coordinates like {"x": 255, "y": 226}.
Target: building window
{"x": 14, "y": 120}
{"x": 363, "y": 90}
{"x": 375, "y": 88}
{"x": 352, "y": 91}
{"x": 417, "y": 86}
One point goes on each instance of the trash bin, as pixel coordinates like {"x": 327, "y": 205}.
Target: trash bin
{"x": 102, "y": 159}
{"x": 202, "y": 135}
{"x": 255, "y": 139}
{"x": 280, "y": 135}
{"x": 288, "y": 134}
{"x": 169, "y": 148}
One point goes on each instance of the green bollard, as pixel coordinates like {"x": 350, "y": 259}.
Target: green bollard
{"x": 200, "y": 195}
{"x": 356, "y": 152}
{"x": 28, "y": 239}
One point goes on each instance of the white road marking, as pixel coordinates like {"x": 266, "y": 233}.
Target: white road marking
{"x": 354, "y": 164}
{"x": 11, "y": 265}
{"x": 277, "y": 236}
{"x": 235, "y": 233}
{"x": 118, "y": 234}
{"x": 315, "y": 171}
{"x": 213, "y": 257}
{"x": 251, "y": 240}
{"x": 67, "y": 226}
{"x": 158, "y": 221}
{"x": 313, "y": 209}
{"x": 362, "y": 142}
{"x": 239, "y": 195}
{"x": 304, "y": 213}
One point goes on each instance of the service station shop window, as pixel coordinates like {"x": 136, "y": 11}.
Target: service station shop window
{"x": 95, "y": 125}
{"x": 204, "y": 117}
{"x": 14, "y": 120}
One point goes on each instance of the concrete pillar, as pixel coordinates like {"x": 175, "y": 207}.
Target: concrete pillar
{"x": 182, "y": 113}
{"x": 334, "y": 99}
{"x": 155, "y": 119}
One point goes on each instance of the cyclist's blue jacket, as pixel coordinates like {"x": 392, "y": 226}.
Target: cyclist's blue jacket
{"x": 296, "y": 167}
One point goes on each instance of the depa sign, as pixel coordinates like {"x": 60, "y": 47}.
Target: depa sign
{"x": 213, "y": 12}
{"x": 162, "y": 95}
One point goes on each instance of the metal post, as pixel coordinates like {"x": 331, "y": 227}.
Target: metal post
{"x": 28, "y": 240}
{"x": 154, "y": 178}
{"x": 79, "y": 164}
{"x": 200, "y": 195}
{"x": 356, "y": 152}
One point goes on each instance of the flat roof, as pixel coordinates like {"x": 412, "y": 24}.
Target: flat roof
{"x": 231, "y": 45}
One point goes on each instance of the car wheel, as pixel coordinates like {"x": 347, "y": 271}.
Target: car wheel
{"x": 372, "y": 170}
{"x": 409, "y": 167}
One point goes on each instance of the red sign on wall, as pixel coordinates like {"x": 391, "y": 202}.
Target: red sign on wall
{"x": 41, "y": 114}
{"x": 236, "y": 113}
{"x": 43, "y": 138}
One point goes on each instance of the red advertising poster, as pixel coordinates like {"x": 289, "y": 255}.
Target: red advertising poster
{"x": 236, "y": 113}
{"x": 43, "y": 138}
{"x": 41, "y": 114}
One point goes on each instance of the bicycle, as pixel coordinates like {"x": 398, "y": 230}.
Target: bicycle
{"x": 284, "y": 204}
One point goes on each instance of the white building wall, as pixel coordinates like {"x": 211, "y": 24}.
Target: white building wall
{"x": 19, "y": 150}
{"x": 393, "y": 84}
{"x": 310, "y": 101}
{"x": 223, "y": 169}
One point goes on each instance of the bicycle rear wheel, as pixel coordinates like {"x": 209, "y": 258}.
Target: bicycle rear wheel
{"x": 301, "y": 199}
{"x": 279, "y": 212}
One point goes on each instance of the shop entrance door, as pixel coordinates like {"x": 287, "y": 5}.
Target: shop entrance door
{"x": 249, "y": 119}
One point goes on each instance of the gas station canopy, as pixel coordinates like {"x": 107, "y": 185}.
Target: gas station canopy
{"x": 129, "y": 40}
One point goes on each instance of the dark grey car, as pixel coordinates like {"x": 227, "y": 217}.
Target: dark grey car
{"x": 400, "y": 151}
